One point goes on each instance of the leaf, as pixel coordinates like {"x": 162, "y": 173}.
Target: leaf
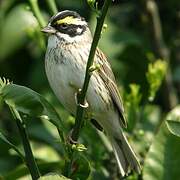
{"x": 80, "y": 167}
{"x": 18, "y": 22}
{"x": 53, "y": 177}
{"x": 30, "y": 103}
{"x": 146, "y": 128}
{"x": 4, "y": 139}
{"x": 155, "y": 75}
{"x": 173, "y": 121}
{"x": 40, "y": 133}
{"x": 21, "y": 170}
{"x": 17, "y": 172}
{"x": 162, "y": 161}
{"x": 132, "y": 105}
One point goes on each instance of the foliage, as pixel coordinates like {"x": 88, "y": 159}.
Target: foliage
{"x": 133, "y": 100}
{"x": 128, "y": 40}
{"x": 53, "y": 177}
{"x": 162, "y": 156}
{"x": 155, "y": 75}
{"x": 173, "y": 121}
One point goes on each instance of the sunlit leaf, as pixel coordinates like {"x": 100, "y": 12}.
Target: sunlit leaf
{"x": 30, "y": 102}
{"x": 162, "y": 161}
{"x": 18, "y": 22}
{"x": 155, "y": 75}
{"x": 39, "y": 133}
{"x": 22, "y": 170}
{"x": 173, "y": 121}
{"x": 53, "y": 177}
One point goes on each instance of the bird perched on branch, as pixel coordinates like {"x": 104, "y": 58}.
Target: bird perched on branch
{"x": 66, "y": 57}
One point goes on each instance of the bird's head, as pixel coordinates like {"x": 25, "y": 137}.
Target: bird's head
{"x": 68, "y": 26}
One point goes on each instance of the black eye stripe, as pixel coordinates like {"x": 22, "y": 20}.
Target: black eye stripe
{"x": 70, "y": 29}
{"x": 64, "y": 26}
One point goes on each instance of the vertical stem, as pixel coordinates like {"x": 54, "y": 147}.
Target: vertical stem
{"x": 82, "y": 95}
{"x": 52, "y": 6}
{"x": 30, "y": 161}
{"x": 161, "y": 50}
{"x": 37, "y": 13}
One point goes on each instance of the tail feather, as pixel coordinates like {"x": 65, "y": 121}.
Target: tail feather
{"x": 124, "y": 154}
{"x": 120, "y": 158}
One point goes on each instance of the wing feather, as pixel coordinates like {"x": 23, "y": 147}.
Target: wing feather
{"x": 108, "y": 78}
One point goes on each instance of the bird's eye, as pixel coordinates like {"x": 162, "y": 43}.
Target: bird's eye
{"x": 64, "y": 26}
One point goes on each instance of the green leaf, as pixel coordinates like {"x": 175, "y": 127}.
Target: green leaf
{"x": 53, "y": 177}
{"x": 22, "y": 170}
{"x": 40, "y": 133}
{"x": 155, "y": 75}
{"x": 80, "y": 167}
{"x": 30, "y": 103}
{"x": 173, "y": 121}
{"x": 162, "y": 161}
{"x": 94, "y": 6}
{"x": 79, "y": 147}
{"x": 18, "y": 22}
{"x": 146, "y": 128}
{"x": 4, "y": 139}
{"x": 17, "y": 172}
{"x": 132, "y": 105}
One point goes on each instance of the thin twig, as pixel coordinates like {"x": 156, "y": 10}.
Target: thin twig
{"x": 82, "y": 94}
{"x": 29, "y": 158}
{"x": 37, "y": 13}
{"x": 161, "y": 50}
{"x": 52, "y": 6}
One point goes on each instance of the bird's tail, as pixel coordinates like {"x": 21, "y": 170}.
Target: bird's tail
{"x": 124, "y": 154}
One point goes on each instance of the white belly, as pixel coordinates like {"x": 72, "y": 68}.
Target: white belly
{"x": 66, "y": 76}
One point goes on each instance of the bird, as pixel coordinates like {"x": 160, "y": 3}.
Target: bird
{"x": 68, "y": 47}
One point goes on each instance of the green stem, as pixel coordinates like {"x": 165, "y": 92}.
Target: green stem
{"x": 52, "y": 6}
{"x": 37, "y": 13}
{"x": 61, "y": 135}
{"x": 82, "y": 95}
{"x": 30, "y": 161}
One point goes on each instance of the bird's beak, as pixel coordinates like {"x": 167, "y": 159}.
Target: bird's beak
{"x": 49, "y": 30}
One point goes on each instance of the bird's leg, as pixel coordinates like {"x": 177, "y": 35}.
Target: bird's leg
{"x": 84, "y": 105}
{"x": 70, "y": 139}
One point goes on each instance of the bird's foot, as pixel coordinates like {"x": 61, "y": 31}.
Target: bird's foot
{"x": 85, "y": 104}
{"x": 70, "y": 138}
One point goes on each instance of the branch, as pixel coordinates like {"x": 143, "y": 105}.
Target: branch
{"x": 161, "y": 50}
{"x": 52, "y": 6}
{"x": 81, "y": 96}
{"x": 29, "y": 158}
{"x": 37, "y": 13}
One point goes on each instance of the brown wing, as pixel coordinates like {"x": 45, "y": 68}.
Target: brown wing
{"x": 108, "y": 78}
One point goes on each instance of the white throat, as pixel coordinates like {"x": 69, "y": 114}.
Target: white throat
{"x": 54, "y": 40}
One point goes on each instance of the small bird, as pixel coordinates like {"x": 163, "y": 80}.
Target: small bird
{"x": 68, "y": 48}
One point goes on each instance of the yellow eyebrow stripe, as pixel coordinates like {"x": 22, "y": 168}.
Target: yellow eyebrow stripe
{"x": 68, "y": 20}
